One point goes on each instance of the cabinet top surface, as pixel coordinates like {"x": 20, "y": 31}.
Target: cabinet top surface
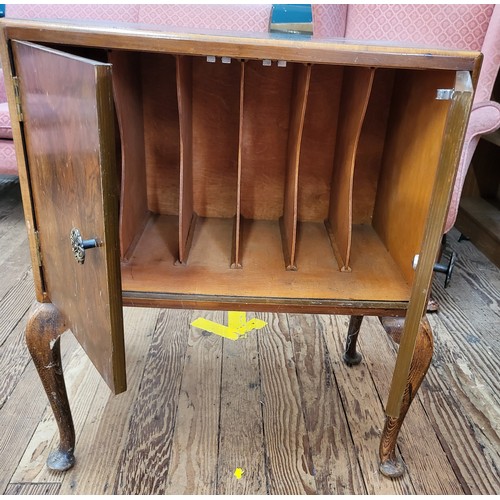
{"x": 291, "y": 47}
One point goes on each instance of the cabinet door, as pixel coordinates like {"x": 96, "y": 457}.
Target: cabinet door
{"x": 68, "y": 121}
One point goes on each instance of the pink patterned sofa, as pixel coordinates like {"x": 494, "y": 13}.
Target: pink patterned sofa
{"x": 474, "y": 27}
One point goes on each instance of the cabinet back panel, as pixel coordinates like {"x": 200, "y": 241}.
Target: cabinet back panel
{"x": 161, "y": 132}
{"x": 356, "y": 90}
{"x": 318, "y": 142}
{"x": 266, "y": 116}
{"x": 216, "y": 90}
{"x": 410, "y": 162}
{"x": 371, "y": 147}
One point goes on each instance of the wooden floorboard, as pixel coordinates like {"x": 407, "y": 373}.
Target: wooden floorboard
{"x": 336, "y": 465}
{"x": 146, "y": 454}
{"x": 279, "y": 404}
{"x": 289, "y": 463}
{"x": 364, "y": 411}
{"x": 430, "y": 468}
{"x": 193, "y": 463}
{"x": 241, "y": 432}
{"x": 107, "y": 425}
{"x": 33, "y": 489}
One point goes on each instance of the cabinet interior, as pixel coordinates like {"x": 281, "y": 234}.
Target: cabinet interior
{"x": 285, "y": 180}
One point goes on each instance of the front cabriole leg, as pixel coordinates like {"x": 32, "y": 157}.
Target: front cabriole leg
{"x": 390, "y": 464}
{"x": 43, "y": 332}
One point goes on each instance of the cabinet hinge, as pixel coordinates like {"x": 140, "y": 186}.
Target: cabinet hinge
{"x": 37, "y": 249}
{"x": 444, "y": 94}
{"x": 17, "y": 94}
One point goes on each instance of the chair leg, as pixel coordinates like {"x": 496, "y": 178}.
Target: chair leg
{"x": 351, "y": 356}
{"x": 390, "y": 464}
{"x": 43, "y": 332}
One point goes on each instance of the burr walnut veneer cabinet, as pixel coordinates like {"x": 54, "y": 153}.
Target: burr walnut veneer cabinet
{"x": 230, "y": 171}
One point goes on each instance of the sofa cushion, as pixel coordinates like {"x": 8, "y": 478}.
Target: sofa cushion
{"x": 5, "y": 128}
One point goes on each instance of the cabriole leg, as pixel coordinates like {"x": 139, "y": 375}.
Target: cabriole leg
{"x": 390, "y": 464}
{"x": 351, "y": 356}
{"x": 43, "y": 332}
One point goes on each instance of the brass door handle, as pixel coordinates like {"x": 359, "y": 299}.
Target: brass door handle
{"x": 79, "y": 245}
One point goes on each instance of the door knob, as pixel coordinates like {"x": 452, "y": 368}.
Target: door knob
{"x": 79, "y": 245}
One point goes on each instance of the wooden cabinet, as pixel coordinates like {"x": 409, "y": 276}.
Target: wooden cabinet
{"x": 239, "y": 172}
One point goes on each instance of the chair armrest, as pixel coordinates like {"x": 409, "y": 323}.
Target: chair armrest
{"x": 484, "y": 119}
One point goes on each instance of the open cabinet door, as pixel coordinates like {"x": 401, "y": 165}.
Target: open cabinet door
{"x": 68, "y": 121}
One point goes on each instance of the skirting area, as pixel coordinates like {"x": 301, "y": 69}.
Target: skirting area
{"x": 279, "y": 403}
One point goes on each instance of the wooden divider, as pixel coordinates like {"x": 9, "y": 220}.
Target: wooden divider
{"x": 356, "y": 88}
{"x": 127, "y": 87}
{"x": 288, "y": 223}
{"x": 236, "y": 254}
{"x": 187, "y": 216}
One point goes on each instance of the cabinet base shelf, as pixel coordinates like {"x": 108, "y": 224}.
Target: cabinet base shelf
{"x": 151, "y": 271}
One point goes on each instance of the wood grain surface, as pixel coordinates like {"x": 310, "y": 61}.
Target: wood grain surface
{"x": 33, "y": 489}
{"x": 264, "y": 143}
{"x": 318, "y": 142}
{"x": 371, "y": 145}
{"x": 272, "y": 46}
{"x": 410, "y": 162}
{"x": 161, "y": 132}
{"x": 216, "y": 117}
{"x": 184, "y": 79}
{"x": 241, "y": 435}
{"x": 106, "y": 427}
{"x": 154, "y": 412}
{"x": 356, "y": 89}
{"x": 336, "y": 466}
{"x": 364, "y": 411}
{"x": 151, "y": 269}
{"x": 197, "y": 416}
{"x": 300, "y": 93}
{"x": 428, "y": 475}
{"x": 449, "y": 156}
{"x": 236, "y": 256}
{"x": 289, "y": 466}
{"x": 70, "y": 144}
{"x": 128, "y": 98}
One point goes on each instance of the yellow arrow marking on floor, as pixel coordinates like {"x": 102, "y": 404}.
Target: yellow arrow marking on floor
{"x": 238, "y": 473}
{"x": 237, "y": 325}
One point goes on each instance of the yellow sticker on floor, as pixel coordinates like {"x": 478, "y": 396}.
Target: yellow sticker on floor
{"x": 237, "y": 325}
{"x": 238, "y": 473}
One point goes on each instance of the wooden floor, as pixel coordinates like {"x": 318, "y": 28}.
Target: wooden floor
{"x": 279, "y": 404}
